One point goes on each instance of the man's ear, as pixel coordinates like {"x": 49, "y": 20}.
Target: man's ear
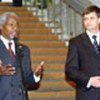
{"x": 0, "y": 26}
{"x": 99, "y": 23}
{"x": 0, "y": 30}
{"x": 99, "y": 20}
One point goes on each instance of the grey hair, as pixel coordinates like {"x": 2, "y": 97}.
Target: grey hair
{"x": 4, "y": 17}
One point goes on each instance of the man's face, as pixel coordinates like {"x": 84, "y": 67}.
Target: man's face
{"x": 91, "y": 22}
{"x": 10, "y": 28}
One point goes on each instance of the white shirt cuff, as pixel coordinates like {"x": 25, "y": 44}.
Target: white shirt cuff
{"x": 89, "y": 83}
{"x": 36, "y": 78}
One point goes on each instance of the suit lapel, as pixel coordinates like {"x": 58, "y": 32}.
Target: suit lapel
{"x": 4, "y": 55}
{"x": 88, "y": 43}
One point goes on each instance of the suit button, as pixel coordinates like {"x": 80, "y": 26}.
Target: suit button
{"x": 99, "y": 68}
{"x": 19, "y": 93}
{"x": 12, "y": 85}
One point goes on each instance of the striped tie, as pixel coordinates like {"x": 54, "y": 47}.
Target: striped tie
{"x": 95, "y": 44}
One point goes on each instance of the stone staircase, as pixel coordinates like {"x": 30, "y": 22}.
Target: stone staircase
{"x": 44, "y": 46}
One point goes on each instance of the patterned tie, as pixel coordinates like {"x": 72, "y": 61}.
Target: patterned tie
{"x": 95, "y": 44}
{"x": 11, "y": 53}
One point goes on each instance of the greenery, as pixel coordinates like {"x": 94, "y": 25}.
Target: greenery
{"x": 43, "y": 3}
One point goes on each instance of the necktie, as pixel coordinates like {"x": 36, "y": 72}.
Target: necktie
{"x": 10, "y": 51}
{"x": 96, "y": 46}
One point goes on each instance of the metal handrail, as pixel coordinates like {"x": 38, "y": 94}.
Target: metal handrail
{"x": 59, "y": 15}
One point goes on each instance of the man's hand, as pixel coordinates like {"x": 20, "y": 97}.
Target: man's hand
{"x": 7, "y": 70}
{"x": 95, "y": 81}
{"x": 39, "y": 70}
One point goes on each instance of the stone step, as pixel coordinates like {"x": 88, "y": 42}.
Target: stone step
{"x": 37, "y": 37}
{"x": 44, "y": 44}
{"x": 54, "y": 95}
{"x": 55, "y": 98}
{"x": 36, "y": 31}
{"x": 19, "y": 13}
{"x": 49, "y": 58}
{"x": 12, "y": 8}
{"x": 32, "y": 25}
{"x": 53, "y": 75}
{"x": 29, "y": 19}
{"x": 48, "y": 86}
{"x": 50, "y": 67}
{"x": 24, "y": 13}
{"x": 4, "y": 4}
{"x": 50, "y": 51}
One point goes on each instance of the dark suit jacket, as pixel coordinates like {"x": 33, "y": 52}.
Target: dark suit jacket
{"x": 11, "y": 87}
{"x": 17, "y": 2}
{"x": 82, "y": 62}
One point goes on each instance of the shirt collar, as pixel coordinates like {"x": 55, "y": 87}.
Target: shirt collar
{"x": 91, "y": 34}
{"x": 6, "y": 41}
{"x": 96, "y": 34}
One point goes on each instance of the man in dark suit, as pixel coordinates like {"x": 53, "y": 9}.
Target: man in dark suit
{"x": 83, "y": 60}
{"x": 15, "y": 65}
{"x": 17, "y": 2}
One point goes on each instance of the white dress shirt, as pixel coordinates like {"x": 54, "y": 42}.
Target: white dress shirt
{"x": 91, "y": 39}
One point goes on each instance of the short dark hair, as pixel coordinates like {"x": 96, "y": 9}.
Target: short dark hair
{"x": 90, "y": 9}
